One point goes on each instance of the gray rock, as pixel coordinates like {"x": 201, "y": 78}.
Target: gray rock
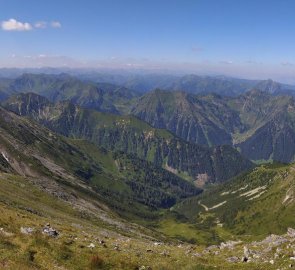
{"x": 50, "y": 231}
{"x": 274, "y": 240}
{"x": 229, "y": 244}
{"x": 291, "y": 232}
{"x": 213, "y": 247}
{"x": 233, "y": 259}
{"x": 246, "y": 252}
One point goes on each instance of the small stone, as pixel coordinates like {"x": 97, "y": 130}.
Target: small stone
{"x": 91, "y": 245}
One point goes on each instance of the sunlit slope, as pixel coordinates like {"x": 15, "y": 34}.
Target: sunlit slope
{"x": 254, "y": 204}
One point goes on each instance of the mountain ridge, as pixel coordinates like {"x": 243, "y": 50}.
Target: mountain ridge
{"x": 131, "y": 135}
{"x": 216, "y": 120}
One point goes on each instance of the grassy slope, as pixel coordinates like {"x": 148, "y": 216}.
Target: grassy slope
{"x": 249, "y": 215}
{"x": 123, "y": 249}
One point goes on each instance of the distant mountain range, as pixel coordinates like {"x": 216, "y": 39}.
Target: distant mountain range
{"x": 258, "y": 122}
{"x": 144, "y": 82}
{"x": 194, "y": 84}
{"x": 98, "y": 96}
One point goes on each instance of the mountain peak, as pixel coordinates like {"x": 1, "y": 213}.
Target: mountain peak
{"x": 269, "y": 86}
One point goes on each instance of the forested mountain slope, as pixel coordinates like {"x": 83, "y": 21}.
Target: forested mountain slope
{"x": 131, "y": 135}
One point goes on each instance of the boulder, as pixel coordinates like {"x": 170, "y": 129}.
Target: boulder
{"x": 50, "y": 231}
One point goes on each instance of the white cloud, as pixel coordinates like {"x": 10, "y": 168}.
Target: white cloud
{"x": 56, "y": 24}
{"x": 14, "y": 25}
{"x": 41, "y": 24}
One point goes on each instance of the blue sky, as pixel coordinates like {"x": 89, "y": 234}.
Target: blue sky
{"x": 248, "y": 38}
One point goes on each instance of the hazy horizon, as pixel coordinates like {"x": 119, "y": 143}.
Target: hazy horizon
{"x": 251, "y": 40}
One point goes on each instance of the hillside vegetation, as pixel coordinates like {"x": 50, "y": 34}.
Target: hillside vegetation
{"x": 133, "y": 136}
